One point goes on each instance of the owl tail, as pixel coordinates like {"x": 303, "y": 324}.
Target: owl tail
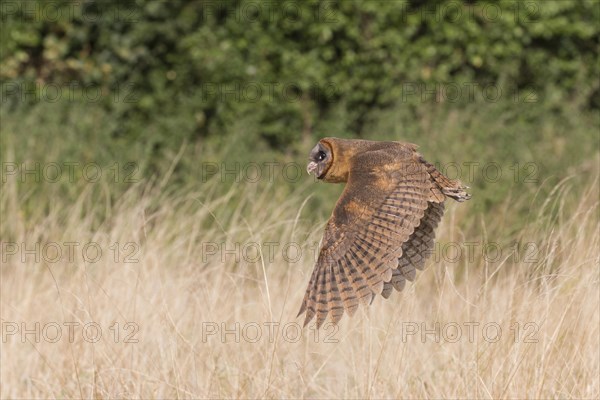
{"x": 457, "y": 193}
{"x": 449, "y": 187}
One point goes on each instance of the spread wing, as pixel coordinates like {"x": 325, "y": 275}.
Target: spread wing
{"x": 416, "y": 249}
{"x": 383, "y": 202}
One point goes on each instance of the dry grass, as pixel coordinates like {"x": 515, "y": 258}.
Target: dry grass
{"x": 177, "y": 293}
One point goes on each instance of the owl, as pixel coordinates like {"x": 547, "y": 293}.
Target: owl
{"x": 382, "y": 228}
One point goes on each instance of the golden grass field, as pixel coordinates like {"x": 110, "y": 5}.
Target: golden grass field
{"x": 180, "y": 317}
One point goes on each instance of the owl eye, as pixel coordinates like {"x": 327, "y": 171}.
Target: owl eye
{"x": 321, "y": 156}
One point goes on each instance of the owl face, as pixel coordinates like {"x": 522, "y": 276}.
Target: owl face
{"x": 320, "y": 157}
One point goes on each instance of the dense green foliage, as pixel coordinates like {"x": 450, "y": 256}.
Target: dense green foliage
{"x": 290, "y": 68}
{"x": 170, "y": 86}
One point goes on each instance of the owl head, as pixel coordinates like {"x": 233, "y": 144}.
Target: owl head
{"x": 331, "y": 158}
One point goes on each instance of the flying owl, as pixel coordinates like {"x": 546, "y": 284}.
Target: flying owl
{"x": 382, "y": 227}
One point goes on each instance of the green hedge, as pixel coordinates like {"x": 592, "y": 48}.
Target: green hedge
{"x": 294, "y": 67}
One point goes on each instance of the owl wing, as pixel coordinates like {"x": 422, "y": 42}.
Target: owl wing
{"x": 383, "y": 202}
{"x": 416, "y": 249}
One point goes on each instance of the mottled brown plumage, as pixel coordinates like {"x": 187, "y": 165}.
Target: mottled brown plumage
{"x": 382, "y": 227}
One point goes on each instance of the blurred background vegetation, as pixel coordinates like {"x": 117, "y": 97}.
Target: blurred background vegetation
{"x": 170, "y": 125}
{"x": 173, "y": 85}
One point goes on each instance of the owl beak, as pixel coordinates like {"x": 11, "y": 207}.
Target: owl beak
{"x": 311, "y": 167}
